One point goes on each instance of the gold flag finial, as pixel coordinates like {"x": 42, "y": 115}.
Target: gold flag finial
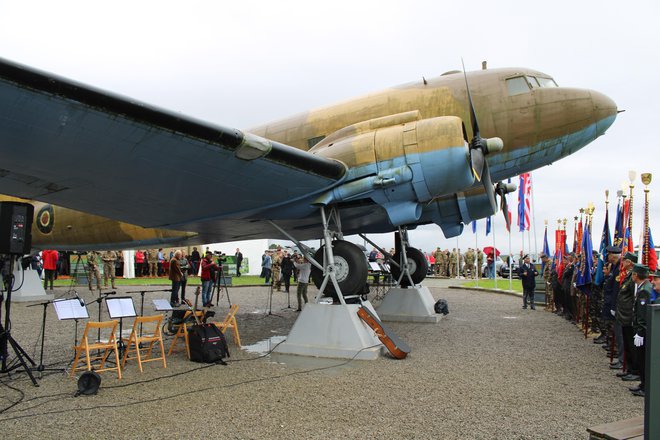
{"x": 646, "y": 178}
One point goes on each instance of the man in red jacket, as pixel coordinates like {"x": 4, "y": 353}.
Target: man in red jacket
{"x": 49, "y": 258}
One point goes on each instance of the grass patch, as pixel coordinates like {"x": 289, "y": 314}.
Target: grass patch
{"x": 516, "y": 285}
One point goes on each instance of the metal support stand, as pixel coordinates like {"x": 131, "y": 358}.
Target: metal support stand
{"x": 218, "y": 285}
{"x": 400, "y": 245}
{"x": 5, "y": 332}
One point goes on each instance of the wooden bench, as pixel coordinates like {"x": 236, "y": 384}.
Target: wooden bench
{"x": 630, "y": 429}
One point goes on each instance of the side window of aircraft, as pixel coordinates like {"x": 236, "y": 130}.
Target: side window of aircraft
{"x": 547, "y": 82}
{"x": 517, "y": 85}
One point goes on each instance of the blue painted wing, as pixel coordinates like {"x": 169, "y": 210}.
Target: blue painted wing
{"x": 72, "y": 145}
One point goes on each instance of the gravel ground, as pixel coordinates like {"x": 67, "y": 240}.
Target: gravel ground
{"x": 488, "y": 370}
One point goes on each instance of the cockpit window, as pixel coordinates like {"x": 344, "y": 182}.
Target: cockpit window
{"x": 523, "y": 84}
{"x": 517, "y": 85}
{"x": 547, "y": 82}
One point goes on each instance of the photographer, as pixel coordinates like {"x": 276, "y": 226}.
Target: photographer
{"x": 208, "y": 268}
{"x": 305, "y": 268}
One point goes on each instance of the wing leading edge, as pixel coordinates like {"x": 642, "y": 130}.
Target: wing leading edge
{"x": 69, "y": 144}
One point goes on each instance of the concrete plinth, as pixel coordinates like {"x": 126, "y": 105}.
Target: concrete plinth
{"x": 28, "y": 287}
{"x": 335, "y": 331}
{"x": 408, "y": 304}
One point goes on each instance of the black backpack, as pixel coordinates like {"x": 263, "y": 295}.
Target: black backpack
{"x": 207, "y": 344}
{"x": 441, "y": 306}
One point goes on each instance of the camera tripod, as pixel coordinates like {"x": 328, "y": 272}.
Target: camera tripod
{"x": 218, "y": 285}
{"x": 5, "y": 332}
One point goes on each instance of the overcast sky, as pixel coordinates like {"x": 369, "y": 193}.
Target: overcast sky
{"x": 244, "y": 63}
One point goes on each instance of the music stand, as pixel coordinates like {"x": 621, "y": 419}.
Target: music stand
{"x": 121, "y": 307}
{"x": 67, "y": 309}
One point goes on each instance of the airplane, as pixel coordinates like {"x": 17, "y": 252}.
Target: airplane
{"x": 431, "y": 151}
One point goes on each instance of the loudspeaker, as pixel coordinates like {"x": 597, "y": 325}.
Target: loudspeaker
{"x": 16, "y": 228}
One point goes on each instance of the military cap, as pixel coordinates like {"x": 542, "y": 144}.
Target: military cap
{"x": 630, "y": 256}
{"x": 526, "y": 256}
{"x": 640, "y": 269}
{"x": 656, "y": 273}
{"x": 613, "y": 250}
{"x": 543, "y": 255}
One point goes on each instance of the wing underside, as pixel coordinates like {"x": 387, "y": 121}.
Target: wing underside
{"x": 72, "y": 145}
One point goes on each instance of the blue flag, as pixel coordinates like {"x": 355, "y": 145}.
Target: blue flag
{"x": 605, "y": 241}
{"x": 583, "y": 280}
{"x": 474, "y": 226}
{"x": 546, "y": 247}
{"x": 488, "y": 225}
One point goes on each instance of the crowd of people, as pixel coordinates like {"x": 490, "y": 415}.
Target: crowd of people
{"x": 614, "y": 308}
{"x": 279, "y": 265}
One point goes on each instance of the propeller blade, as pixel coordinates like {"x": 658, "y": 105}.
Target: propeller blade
{"x": 505, "y": 212}
{"x": 473, "y": 116}
{"x": 477, "y": 161}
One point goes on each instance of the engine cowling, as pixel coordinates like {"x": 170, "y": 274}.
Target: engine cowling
{"x": 401, "y": 167}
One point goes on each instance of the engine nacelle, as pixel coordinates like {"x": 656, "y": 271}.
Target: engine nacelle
{"x": 400, "y": 166}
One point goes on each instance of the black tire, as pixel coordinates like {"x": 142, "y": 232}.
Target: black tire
{"x": 419, "y": 266}
{"x": 350, "y": 268}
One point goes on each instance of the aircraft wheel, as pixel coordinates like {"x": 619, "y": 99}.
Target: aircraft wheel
{"x": 350, "y": 269}
{"x": 418, "y": 267}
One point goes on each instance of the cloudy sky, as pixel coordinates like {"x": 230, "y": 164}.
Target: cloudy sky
{"x": 245, "y": 63}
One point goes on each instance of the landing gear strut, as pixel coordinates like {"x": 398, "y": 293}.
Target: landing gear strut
{"x": 412, "y": 266}
{"x": 339, "y": 267}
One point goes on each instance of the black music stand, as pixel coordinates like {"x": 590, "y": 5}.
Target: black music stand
{"x": 121, "y": 307}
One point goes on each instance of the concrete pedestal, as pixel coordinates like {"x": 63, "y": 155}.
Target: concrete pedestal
{"x": 335, "y": 331}
{"x": 408, "y": 304}
{"x": 28, "y": 287}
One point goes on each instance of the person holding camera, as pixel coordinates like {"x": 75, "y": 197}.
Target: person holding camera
{"x": 208, "y": 266}
{"x": 304, "y": 268}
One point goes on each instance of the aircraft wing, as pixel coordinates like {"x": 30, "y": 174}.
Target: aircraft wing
{"x": 69, "y": 144}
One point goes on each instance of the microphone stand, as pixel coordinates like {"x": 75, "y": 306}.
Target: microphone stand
{"x": 142, "y": 292}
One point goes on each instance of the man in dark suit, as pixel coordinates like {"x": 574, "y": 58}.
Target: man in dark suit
{"x": 527, "y": 272}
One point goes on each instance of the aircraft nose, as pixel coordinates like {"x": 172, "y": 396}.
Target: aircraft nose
{"x": 605, "y": 110}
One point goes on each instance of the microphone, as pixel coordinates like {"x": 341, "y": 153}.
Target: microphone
{"x": 82, "y": 303}
{"x": 110, "y": 293}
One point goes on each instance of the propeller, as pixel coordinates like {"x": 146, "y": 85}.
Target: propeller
{"x": 502, "y": 189}
{"x": 480, "y": 147}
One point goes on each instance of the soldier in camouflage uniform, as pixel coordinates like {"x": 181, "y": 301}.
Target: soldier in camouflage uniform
{"x": 276, "y": 267}
{"x": 109, "y": 258}
{"x": 480, "y": 262}
{"x": 437, "y": 254}
{"x": 469, "y": 263}
{"x": 152, "y": 259}
{"x": 93, "y": 269}
{"x": 549, "y": 302}
{"x": 452, "y": 263}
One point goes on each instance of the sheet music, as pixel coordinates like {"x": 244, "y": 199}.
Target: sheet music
{"x": 161, "y": 305}
{"x": 70, "y": 309}
{"x": 120, "y": 307}
{"x": 374, "y": 266}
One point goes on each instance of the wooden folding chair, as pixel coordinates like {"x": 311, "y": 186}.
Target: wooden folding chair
{"x": 182, "y": 331}
{"x": 149, "y": 327}
{"x": 86, "y": 346}
{"x": 230, "y": 322}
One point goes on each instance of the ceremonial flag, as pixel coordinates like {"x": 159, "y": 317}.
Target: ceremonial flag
{"x": 474, "y": 226}
{"x": 488, "y": 225}
{"x": 580, "y": 233}
{"x": 651, "y": 259}
{"x": 605, "y": 241}
{"x": 546, "y": 248}
{"x": 524, "y": 201}
{"x": 583, "y": 280}
{"x": 618, "y": 226}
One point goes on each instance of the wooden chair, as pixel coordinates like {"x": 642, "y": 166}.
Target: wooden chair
{"x": 86, "y": 346}
{"x": 230, "y": 322}
{"x": 150, "y": 327}
{"x": 182, "y": 332}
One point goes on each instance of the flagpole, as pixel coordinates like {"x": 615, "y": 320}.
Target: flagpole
{"x": 476, "y": 248}
{"x": 492, "y": 227}
{"x": 510, "y": 266}
{"x": 531, "y": 190}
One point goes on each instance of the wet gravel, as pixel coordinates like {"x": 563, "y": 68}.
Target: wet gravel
{"x": 488, "y": 370}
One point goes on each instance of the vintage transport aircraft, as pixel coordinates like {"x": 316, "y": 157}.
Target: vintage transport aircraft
{"x": 431, "y": 151}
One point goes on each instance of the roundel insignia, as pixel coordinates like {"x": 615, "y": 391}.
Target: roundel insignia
{"x": 45, "y": 219}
